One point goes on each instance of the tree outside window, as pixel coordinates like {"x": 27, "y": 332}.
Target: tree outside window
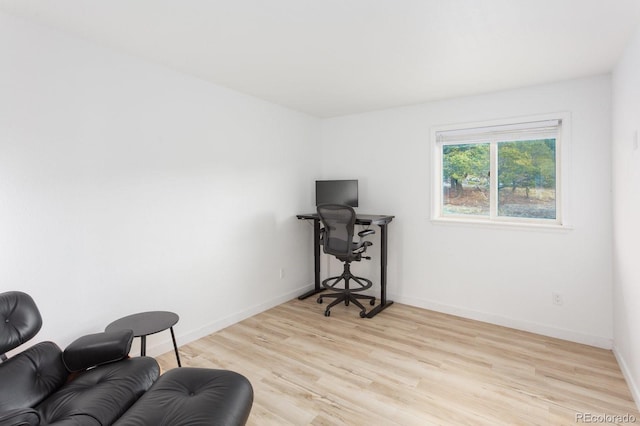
{"x": 527, "y": 179}
{"x": 465, "y": 176}
{"x": 500, "y": 173}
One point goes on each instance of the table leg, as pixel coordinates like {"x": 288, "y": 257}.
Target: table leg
{"x": 175, "y": 347}
{"x": 317, "y": 288}
{"x": 143, "y": 345}
{"x": 384, "y": 303}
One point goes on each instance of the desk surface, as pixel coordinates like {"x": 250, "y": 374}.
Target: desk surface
{"x": 361, "y": 219}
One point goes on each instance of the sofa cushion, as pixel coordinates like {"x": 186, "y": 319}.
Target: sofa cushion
{"x": 103, "y": 393}
{"x": 31, "y": 376}
{"x": 21, "y": 417}
{"x": 193, "y": 397}
{"x": 76, "y": 420}
{"x": 97, "y": 349}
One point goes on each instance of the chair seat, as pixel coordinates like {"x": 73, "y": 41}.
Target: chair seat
{"x": 103, "y": 393}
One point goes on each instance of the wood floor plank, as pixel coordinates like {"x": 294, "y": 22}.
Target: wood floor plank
{"x": 408, "y": 366}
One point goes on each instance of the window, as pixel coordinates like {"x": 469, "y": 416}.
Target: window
{"x": 504, "y": 172}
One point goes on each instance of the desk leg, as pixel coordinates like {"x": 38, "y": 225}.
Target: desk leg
{"x": 317, "y": 288}
{"x": 384, "y": 303}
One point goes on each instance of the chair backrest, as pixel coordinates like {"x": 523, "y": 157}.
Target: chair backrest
{"x": 27, "y": 378}
{"x": 339, "y": 223}
{"x": 20, "y": 320}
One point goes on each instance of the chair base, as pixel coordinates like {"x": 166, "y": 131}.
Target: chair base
{"x": 347, "y": 294}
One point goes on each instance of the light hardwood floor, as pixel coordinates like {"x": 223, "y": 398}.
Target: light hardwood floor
{"x": 409, "y": 366}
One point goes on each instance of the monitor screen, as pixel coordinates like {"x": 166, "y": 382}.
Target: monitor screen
{"x": 337, "y": 192}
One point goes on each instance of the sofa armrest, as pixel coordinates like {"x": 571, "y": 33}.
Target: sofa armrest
{"x": 20, "y": 417}
{"x": 97, "y": 349}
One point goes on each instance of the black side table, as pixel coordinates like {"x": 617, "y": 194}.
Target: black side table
{"x": 146, "y": 323}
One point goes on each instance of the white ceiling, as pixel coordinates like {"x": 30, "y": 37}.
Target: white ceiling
{"x": 335, "y": 57}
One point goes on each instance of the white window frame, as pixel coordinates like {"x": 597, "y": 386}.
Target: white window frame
{"x": 563, "y": 142}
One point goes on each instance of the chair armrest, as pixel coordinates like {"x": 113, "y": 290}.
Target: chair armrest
{"x": 20, "y": 417}
{"x": 97, "y": 349}
{"x": 366, "y": 232}
{"x": 363, "y": 234}
{"x": 362, "y": 244}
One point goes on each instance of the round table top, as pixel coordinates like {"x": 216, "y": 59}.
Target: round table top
{"x": 145, "y": 323}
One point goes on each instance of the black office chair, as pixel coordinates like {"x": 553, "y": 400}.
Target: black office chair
{"x": 337, "y": 239}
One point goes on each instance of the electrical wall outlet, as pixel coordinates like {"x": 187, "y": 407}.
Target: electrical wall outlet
{"x": 281, "y": 273}
{"x": 557, "y": 299}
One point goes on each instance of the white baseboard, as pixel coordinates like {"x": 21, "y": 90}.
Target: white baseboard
{"x": 188, "y": 337}
{"x": 633, "y": 386}
{"x": 545, "y": 330}
{"x": 572, "y": 336}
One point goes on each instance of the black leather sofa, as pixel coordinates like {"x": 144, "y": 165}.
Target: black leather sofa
{"x": 94, "y": 381}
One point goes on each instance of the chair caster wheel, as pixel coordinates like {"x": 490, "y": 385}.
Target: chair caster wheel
{"x": 319, "y": 300}
{"x": 346, "y": 302}
{"x": 363, "y": 314}
{"x": 327, "y": 313}
{"x": 372, "y": 302}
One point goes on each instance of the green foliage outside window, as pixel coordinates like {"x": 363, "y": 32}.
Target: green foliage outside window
{"x": 526, "y": 178}
{"x": 465, "y": 162}
{"x": 527, "y": 164}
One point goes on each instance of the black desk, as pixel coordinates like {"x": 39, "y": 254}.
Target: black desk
{"x": 146, "y": 323}
{"x": 361, "y": 219}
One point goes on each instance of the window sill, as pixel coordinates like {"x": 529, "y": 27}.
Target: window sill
{"x": 502, "y": 225}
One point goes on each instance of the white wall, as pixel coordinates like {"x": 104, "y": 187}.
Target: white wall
{"x": 504, "y": 276}
{"x": 626, "y": 212}
{"x": 127, "y": 187}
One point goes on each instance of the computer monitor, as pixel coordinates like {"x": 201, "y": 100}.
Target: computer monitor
{"x": 337, "y": 192}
